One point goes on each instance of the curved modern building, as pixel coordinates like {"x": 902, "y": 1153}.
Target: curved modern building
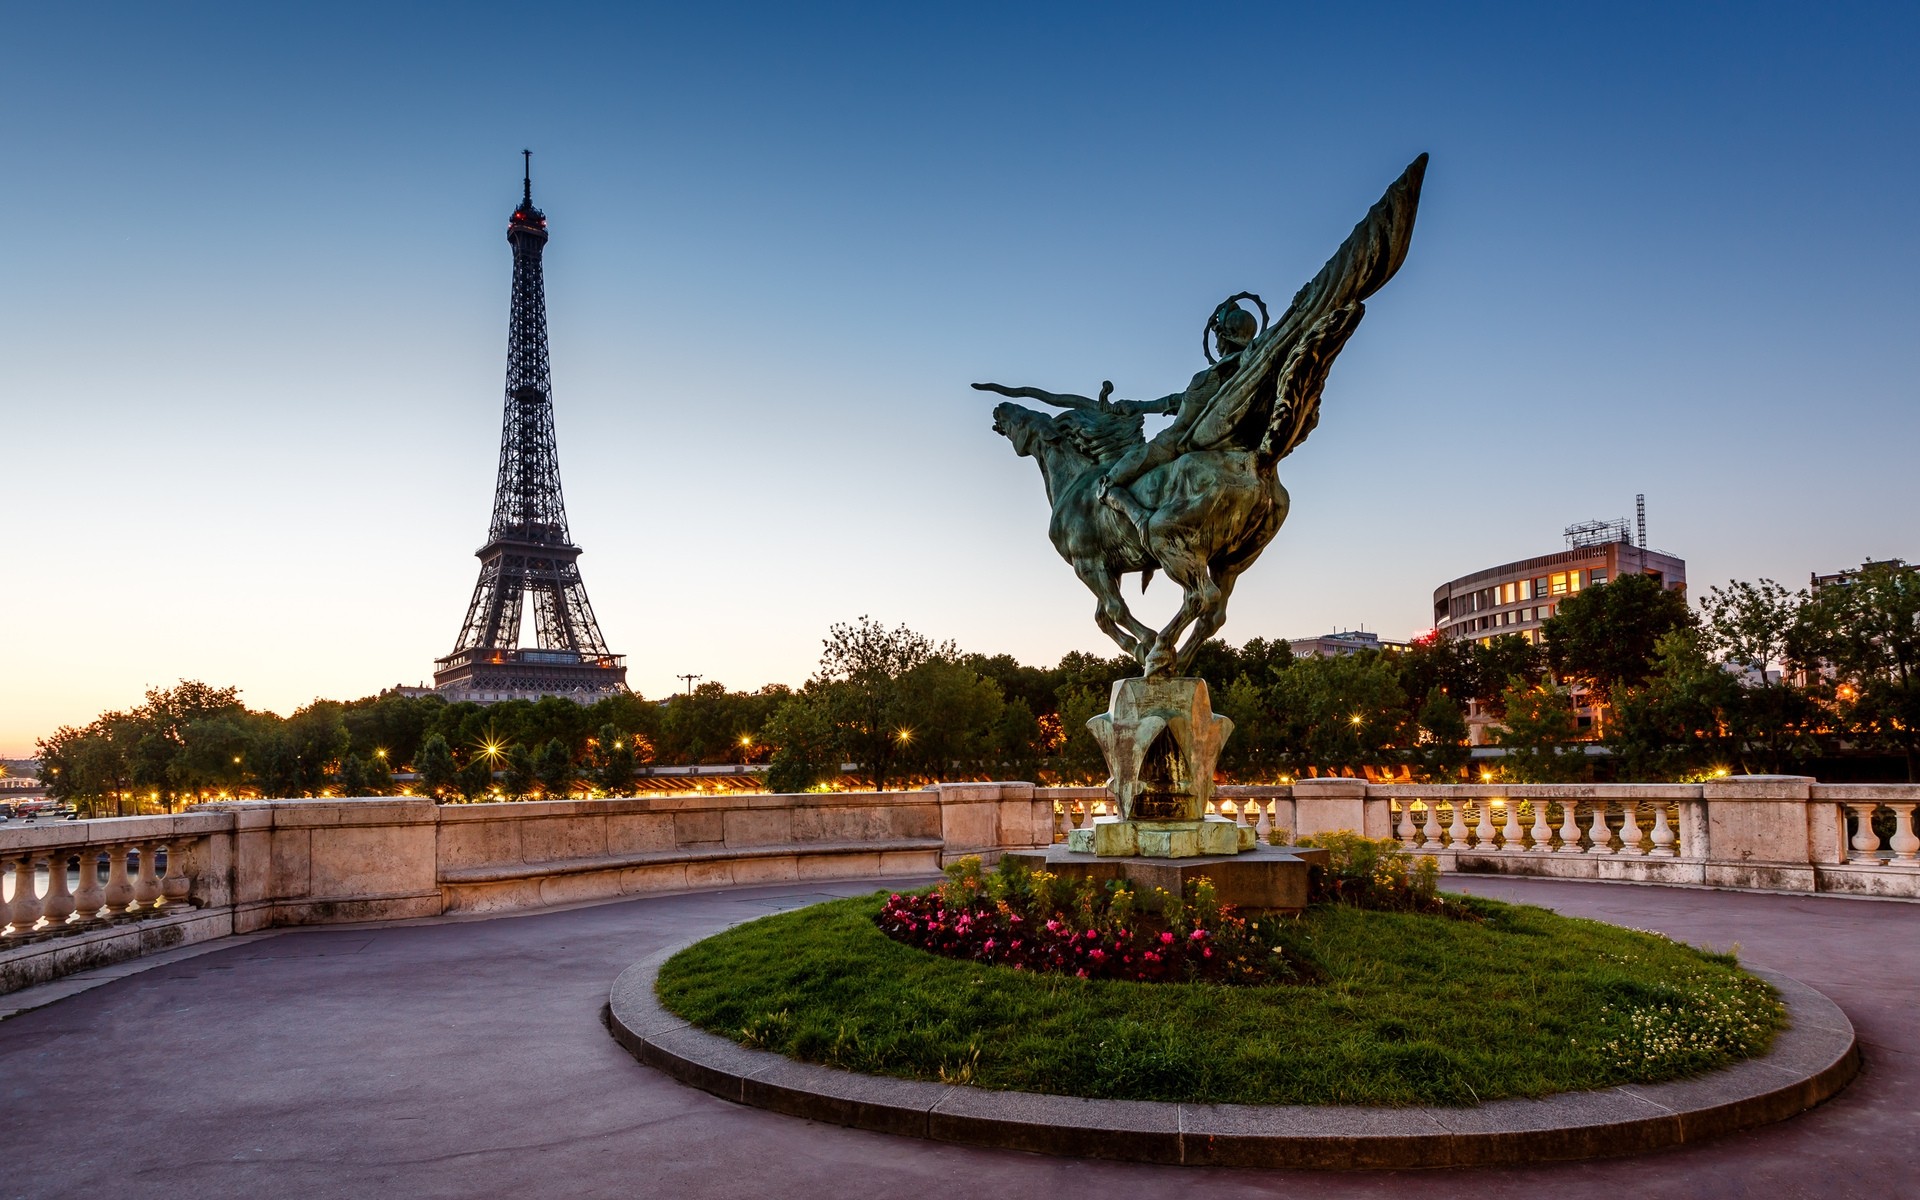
{"x": 1516, "y": 597}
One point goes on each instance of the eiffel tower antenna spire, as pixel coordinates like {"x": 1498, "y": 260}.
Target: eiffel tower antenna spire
{"x": 529, "y": 551}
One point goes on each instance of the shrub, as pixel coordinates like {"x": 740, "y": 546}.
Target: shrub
{"x": 1376, "y": 873}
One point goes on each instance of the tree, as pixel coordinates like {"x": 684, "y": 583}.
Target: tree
{"x": 439, "y": 774}
{"x": 1866, "y": 629}
{"x": 860, "y": 673}
{"x": 518, "y": 778}
{"x": 1442, "y": 751}
{"x": 948, "y": 716}
{"x": 1255, "y": 751}
{"x": 1757, "y": 627}
{"x": 359, "y": 777}
{"x": 1537, "y": 730}
{"x": 553, "y": 765}
{"x": 613, "y": 762}
{"x": 1019, "y": 742}
{"x": 806, "y": 747}
{"x": 1080, "y": 758}
{"x": 1606, "y": 634}
{"x": 1339, "y": 714}
{"x": 1675, "y": 725}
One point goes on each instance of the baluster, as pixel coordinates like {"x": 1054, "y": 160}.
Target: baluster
{"x": 1262, "y": 820}
{"x": 1408, "y": 836}
{"x": 1430, "y": 825}
{"x": 6, "y": 905}
{"x": 1906, "y": 846}
{"x": 1542, "y": 831}
{"x": 176, "y": 888}
{"x": 146, "y": 884}
{"x": 1630, "y": 828}
{"x": 58, "y": 905}
{"x": 1601, "y": 836}
{"x": 1457, "y": 835}
{"x": 1663, "y": 838}
{"x": 1059, "y": 821}
{"x": 1866, "y": 843}
{"x": 26, "y": 895}
{"x": 1512, "y": 836}
{"x": 89, "y": 898}
{"x": 1569, "y": 827}
{"x": 119, "y": 887}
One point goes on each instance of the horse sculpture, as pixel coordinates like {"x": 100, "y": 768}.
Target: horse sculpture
{"x": 1209, "y": 499}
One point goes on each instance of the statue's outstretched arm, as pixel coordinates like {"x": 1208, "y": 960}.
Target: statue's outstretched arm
{"x": 1164, "y": 404}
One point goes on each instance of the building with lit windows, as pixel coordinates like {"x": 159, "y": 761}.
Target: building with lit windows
{"x": 1342, "y": 643}
{"x": 1517, "y": 597}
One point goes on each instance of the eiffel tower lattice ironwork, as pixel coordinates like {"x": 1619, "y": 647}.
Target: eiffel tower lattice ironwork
{"x": 529, "y": 553}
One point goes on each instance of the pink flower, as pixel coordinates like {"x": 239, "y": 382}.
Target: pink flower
{"x": 1097, "y": 954}
{"x": 989, "y": 944}
{"x": 1197, "y": 935}
{"x": 1166, "y": 939}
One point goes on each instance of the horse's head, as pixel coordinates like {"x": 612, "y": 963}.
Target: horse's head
{"x": 1025, "y": 428}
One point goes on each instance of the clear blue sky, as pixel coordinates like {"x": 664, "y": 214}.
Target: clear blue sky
{"x": 253, "y": 327}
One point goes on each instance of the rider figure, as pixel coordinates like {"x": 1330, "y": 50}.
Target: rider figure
{"x": 1233, "y": 329}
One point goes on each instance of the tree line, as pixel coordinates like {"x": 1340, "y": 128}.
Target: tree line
{"x": 1759, "y": 679}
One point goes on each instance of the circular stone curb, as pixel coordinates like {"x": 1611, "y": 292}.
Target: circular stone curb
{"x": 1811, "y": 1060}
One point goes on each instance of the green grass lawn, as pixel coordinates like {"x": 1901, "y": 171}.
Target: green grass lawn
{"x": 1411, "y": 1009}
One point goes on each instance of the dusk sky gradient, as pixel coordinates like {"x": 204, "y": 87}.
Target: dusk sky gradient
{"x": 254, "y": 318}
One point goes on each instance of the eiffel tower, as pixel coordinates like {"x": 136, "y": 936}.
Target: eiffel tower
{"x": 528, "y": 550}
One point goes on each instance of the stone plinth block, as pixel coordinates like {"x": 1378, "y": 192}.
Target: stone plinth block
{"x": 1263, "y": 879}
{"x": 1111, "y": 837}
{"x": 1161, "y": 740}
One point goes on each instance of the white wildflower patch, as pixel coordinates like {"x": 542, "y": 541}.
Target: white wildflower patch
{"x": 1715, "y": 1020}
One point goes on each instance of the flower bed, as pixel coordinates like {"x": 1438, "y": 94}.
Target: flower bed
{"x": 1390, "y": 1007}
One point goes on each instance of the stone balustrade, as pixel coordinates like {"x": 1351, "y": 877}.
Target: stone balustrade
{"x": 76, "y": 894}
{"x": 240, "y": 866}
{"x": 1779, "y": 833}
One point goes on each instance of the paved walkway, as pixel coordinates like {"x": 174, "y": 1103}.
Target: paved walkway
{"x": 467, "y": 1059}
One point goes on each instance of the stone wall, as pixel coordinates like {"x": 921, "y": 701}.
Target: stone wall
{"x": 240, "y": 866}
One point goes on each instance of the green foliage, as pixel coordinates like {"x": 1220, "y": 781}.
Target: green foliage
{"x": 1606, "y": 635}
{"x": 1867, "y": 631}
{"x": 439, "y": 774}
{"x": 1377, "y": 873}
{"x": 861, "y": 679}
{"x": 553, "y": 767}
{"x": 807, "y": 748}
{"x": 1538, "y": 731}
{"x": 613, "y": 762}
{"x": 1402, "y": 1015}
{"x": 1442, "y": 750}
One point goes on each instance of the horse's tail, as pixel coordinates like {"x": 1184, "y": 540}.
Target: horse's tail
{"x": 1146, "y": 577}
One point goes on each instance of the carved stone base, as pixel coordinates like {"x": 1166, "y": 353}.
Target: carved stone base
{"x": 1262, "y": 879}
{"x": 1161, "y": 739}
{"x": 1112, "y": 837}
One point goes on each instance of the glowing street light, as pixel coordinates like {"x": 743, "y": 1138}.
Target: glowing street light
{"x": 904, "y": 736}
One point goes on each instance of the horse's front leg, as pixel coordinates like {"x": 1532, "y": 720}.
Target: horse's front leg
{"x": 1211, "y": 617}
{"x": 1198, "y": 594}
{"x": 1111, "y": 613}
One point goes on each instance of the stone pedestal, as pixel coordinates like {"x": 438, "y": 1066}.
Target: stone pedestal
{"x": 1263, "y": 879}
{"x": 1161, "y": 739}
{"x": 1118, "y": 837}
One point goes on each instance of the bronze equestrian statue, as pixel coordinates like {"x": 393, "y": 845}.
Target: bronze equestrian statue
{"x": 1202, "y": 499}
